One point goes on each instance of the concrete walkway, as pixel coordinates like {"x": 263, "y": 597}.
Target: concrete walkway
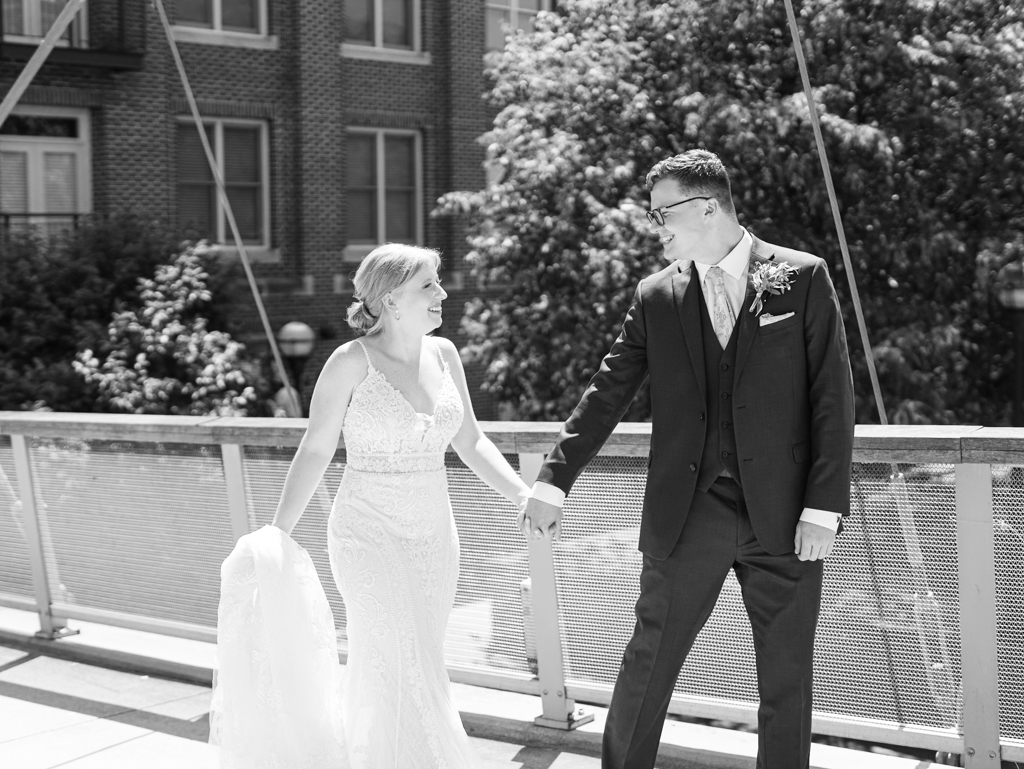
{"x": 111, "y": 698}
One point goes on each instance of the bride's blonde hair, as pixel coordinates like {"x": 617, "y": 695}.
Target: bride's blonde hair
{"x": 384, "y": 269}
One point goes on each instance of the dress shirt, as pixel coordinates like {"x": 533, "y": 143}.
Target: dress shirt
{"x": 735, "y": 269}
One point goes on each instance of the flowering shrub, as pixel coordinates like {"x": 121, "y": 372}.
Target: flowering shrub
{"x": 163, "y": 358}
{"x": 920, "y": 103}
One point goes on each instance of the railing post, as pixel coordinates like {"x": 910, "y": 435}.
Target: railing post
{"x": 234, "y": 480}
{"x": 976, "y": 557}
{"x": 50, "y": 627}
{"x": 559, "y": 710}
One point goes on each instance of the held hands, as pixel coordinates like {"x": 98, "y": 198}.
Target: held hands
{"x": 539, "y": 519}
{"x": 813, "y": 542}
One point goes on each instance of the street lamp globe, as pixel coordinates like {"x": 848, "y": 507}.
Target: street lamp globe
{"x": 1010, "y": 292}
{"x": 296, "y": 339}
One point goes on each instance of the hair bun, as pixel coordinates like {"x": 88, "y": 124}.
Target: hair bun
{"x": 359, "y": 317}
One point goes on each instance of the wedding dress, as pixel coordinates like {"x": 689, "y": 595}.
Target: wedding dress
{"x": 394, "y": 553}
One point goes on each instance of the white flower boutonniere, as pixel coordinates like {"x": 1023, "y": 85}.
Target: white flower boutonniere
{"x": 773, "y": 277}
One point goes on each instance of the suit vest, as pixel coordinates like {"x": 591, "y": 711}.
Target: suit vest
{"x": 719, "y": 456}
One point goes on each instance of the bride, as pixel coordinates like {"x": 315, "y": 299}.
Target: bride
{"x": 400, "y": 397}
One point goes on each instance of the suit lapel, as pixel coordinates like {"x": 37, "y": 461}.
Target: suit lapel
{"x": 684, "y": 294}
{"x": 748, "y": 321}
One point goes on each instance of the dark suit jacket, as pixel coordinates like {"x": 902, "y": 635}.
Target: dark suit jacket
{"x": 793, "y": 408}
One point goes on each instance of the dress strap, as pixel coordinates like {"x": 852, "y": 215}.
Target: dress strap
{"x": 440, "y": 355}
{"x": 366, "y": 353}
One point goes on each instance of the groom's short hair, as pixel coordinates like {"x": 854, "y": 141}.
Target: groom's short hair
{"x": 696, "y": 171}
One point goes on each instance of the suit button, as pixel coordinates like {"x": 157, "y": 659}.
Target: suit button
{"x": 725, "y": 396}
{"x": 725, "y": 367}
{"x": 702, "y": 416}
{"x": 693, "y": 468}
{"x": 725, "y": 424}
{"x": 725, "y": 455}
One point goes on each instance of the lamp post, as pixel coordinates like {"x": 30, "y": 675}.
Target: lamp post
{"x": 296, "y": 342}
{"x": 1010, "y": 282}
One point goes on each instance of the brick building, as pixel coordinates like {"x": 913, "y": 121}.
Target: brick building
{"x": 336, "y": 125}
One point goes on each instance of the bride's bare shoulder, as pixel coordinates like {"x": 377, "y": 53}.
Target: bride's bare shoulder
{"x": 348, "y": 364}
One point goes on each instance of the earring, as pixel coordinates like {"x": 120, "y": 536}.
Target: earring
{"x": 397, "y": 315}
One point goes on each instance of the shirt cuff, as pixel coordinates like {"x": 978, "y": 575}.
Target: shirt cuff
{"x": 545, "y": 492}
{"x": 821, "y": 517}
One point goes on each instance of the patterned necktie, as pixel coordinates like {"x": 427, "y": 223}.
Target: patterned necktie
{"x": 722, "y": 314}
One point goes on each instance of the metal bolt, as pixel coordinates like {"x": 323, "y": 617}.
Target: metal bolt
{"x": 970, "y": 751}
{"x": 559, "y": 692}
{"x": 991, "y": 754}
{"x": 545, "y": 691}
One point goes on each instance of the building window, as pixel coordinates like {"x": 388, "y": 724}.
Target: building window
{"x": 248, "y": 16}
{"x": 242, "y": 152}
{"x": 45, "y": 167}
{"x": 384, "y": 188}
{"x": 383, "y": 29}
{"x": 30, "y": 20}
{"x": 518, "y": 14}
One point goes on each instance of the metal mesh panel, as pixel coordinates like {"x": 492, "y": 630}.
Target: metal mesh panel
{"x": 487, "y": 629}
{"x": 1008, "y": 510}
{"x": 888, "y": 644}
{"x": 888, "y": 638}
{"x": 265, "y": 471}
{"x": 139, "y": 528}
{"x": 15, "y": 571}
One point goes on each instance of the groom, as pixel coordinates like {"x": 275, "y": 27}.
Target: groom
{"x": 751, "y": 446}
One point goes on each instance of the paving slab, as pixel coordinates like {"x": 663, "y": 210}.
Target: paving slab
{"x": 46, "y": 750}
{"x": 100, "y": 699}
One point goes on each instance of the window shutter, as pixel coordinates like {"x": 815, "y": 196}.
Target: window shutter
{"x": 243, "y": 175}
{"x": 359, "y": 21}
{"x": 60, "y": 182}
{"x": 400, "y": 188}
{"x": 361, "y": 204}
{"x": 397, "y": 17}
{"x": 196, "y": 192}
{"x": 198, "y": 12}
{"x": 240, "y": 15}
{"x": 14, "y": 189}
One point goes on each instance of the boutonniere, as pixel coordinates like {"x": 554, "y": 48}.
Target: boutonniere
{"x": 771, "y": 277}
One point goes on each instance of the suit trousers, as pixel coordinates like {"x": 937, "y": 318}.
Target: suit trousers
{"x": 782, "y": 595}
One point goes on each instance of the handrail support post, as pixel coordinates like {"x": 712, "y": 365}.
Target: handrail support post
{"x": 559, "y": 710}
{"x": 976, "y": 566}
{"x": 51, "y": 627}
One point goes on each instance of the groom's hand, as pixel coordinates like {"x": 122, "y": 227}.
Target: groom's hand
{"x": 539, "y": 519}
{"x": 813, "y": 542}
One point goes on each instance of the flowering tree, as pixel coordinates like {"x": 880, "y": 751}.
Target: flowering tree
{"x": 920, "y": 103}
{"x": 164, "y": 359}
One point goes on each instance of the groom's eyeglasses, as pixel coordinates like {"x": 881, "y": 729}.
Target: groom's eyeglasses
{"x": 656, "y": 216}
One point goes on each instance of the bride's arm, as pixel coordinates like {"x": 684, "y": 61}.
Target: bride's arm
{"x": 345, "y": 369}
{"x": 473, "y": 446}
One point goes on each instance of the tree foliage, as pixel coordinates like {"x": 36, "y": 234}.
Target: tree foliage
{"x": 920, "y": 102}
{"x": 164, "y": 358}
{"x": 56, "y": 298}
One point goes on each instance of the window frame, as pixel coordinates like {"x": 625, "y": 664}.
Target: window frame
{"x": 79, "y": 27}
{"x": 224, "y": 238}
{"x": 36, "y": 145}
{"x": 376, "y": 50}
{"x": 513, "y": 10}
{"x": 215, "y": 34}
{"x": 356, "y": 251}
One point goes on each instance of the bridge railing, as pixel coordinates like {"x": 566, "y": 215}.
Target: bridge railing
{"x": 125, "y": 520}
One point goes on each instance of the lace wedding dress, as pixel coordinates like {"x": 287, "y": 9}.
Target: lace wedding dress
{"x": 394, "y": 553}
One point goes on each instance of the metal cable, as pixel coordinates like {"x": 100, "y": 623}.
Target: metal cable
{"x": 222, "y": 192}
{"x": 927, "y": 612}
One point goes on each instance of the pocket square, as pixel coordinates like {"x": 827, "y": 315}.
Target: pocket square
{"x": 767, "y": 319}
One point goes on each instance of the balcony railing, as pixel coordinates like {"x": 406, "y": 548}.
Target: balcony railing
{"x": 45, "y": 225}
{"x": 126, "y": 519}
{"x": 109, "y": 34}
